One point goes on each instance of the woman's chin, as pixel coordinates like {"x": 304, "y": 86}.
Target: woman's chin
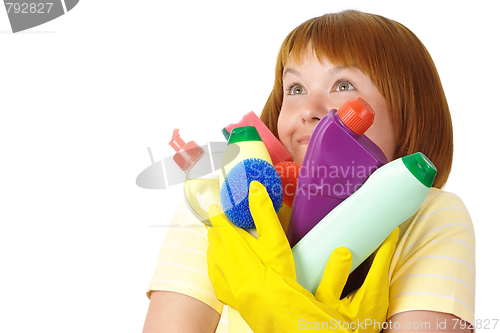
{"x": 299, "y": 160}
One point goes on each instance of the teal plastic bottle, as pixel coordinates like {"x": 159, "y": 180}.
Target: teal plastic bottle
{"x": 391, "y": 195}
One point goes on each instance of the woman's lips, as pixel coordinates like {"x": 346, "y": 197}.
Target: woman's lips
{"x": 304, "y": 140}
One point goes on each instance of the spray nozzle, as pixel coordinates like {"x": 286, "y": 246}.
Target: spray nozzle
{"x": 186, "y": 153}
{"x": 177, "y": 143}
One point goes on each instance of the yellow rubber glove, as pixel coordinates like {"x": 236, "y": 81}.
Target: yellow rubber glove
{"x": 257, "y": 276}
{"x": 367, "y": 306}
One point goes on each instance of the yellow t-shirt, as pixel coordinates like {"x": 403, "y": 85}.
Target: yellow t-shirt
{"x": 182, "y": 263}
{"x": 433, "y": 267}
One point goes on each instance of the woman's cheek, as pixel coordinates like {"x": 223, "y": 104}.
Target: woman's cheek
{"x": 282, "y": 127}
{"x": 284, "y": 135}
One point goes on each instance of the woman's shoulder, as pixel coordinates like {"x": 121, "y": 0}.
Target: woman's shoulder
{"x": 185, "y": 237}
{"x": 440, "y": 211}
{"x": 439, "y": 196}
{"x": 443, "y": 202}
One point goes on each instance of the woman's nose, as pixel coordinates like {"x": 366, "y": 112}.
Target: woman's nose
{"x": 314, "y": 108}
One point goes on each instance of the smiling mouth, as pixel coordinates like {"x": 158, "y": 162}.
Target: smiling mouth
{"x": 304, "y": 140}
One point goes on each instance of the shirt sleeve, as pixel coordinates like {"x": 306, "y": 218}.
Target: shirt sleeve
{"x": 182, "y": 262}
{"x": 434, "y": 265}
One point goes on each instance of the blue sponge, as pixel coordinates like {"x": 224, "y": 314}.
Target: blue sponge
{"x": 234, "y": 190}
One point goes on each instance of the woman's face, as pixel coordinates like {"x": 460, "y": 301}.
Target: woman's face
{"x": 312, "y": 88}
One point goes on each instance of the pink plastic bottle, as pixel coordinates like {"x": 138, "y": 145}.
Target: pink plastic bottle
{"x": 338, "y": 160}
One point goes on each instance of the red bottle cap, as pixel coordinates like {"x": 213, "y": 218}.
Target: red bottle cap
{"x": 187, "y": 153}
{"x": 357, "y": 115}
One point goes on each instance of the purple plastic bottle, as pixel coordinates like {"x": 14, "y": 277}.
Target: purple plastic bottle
{"x": 338, "y": 160}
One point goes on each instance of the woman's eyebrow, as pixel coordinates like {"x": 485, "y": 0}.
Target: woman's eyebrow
{"x": 335, "y": 70}
{"x": 291, "y": 70}
{"x": 331, "y": 71}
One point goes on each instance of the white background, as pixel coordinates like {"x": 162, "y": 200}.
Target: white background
{"x": 83, "y": 96}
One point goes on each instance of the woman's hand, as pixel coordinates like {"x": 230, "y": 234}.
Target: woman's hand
{"x": 235, "y": 257}
{"x": 271, "y": 248}
{"x": 368, "y": 305}
{"x": 257, "y": 276}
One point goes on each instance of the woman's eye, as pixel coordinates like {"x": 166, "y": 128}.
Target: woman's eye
{"x": 296, "y": 90}
{"x": 343, "y": 86}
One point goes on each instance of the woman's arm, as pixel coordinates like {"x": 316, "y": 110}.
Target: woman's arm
{"x": 426, "y": 321}
{"x": 173, "y": 312}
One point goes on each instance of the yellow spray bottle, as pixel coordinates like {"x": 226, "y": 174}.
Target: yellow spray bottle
{"x": 246, "y": 159}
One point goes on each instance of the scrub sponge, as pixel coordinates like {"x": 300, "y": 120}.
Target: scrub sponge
{"x": 234, "y": 190}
